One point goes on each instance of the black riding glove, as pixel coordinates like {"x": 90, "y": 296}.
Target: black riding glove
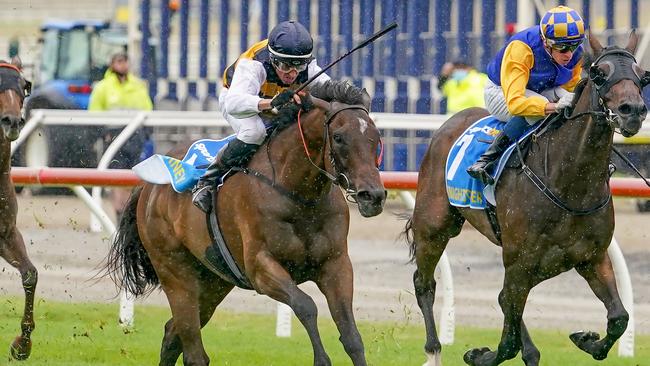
{"x": 283, "y": 98}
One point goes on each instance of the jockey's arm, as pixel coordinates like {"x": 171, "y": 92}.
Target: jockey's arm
{"x": 243, "y": 98}
{"x": 517, "y": 62}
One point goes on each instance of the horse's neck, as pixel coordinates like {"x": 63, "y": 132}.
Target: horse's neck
{"x": 296, "y": 172}
{"x": 579, "y": 151}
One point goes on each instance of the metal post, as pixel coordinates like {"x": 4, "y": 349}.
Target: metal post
{"x": 304, "y": 13}
{"x": 487, "y": 29}
{"x": 421, "y": 14}
{"x": 223, "y": 35}
{"x": 243, "y": 27}
{"x": 609, "y": 16}
{"x": 203, "y": 49}
{"x": 345, "y": 32}
{"x": 145, "y": 72}
{"x": 324, "y": 53}
{"x": 465, "y": 26}
{"x": 401, "y": 101}
{"x": 264, "y": 15}
{"x": 367, "y": 53}
{"x": 283, "y": 11}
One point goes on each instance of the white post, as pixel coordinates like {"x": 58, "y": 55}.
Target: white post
{"x": 624, "y": 284}
{"x": 446, "y": 283}
{"x": 283, "y": 322}
{"x": 110, "y": 152}
{"x": 127, "y": 301}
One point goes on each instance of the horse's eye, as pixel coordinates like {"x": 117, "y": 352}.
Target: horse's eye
{"x": 337, "y": 138}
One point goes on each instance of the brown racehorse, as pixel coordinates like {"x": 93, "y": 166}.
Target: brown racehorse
{"x": 543, "y": 234}
{"x": 13, "y": 90}
{"x": 284, "y": 229}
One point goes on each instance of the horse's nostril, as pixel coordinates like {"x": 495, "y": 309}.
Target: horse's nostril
{"x": 375, "y": 195}
{"x": 625, "y": 109}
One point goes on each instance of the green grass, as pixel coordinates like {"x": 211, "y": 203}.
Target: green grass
{"x": 74, "y": 334}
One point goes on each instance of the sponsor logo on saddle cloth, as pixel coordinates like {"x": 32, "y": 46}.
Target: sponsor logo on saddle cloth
{"x": 462, "y": 189}
{"x": 181, "y": 174}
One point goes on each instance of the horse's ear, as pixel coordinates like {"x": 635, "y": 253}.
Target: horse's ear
{"x": 632, "y": 42}
{"x": 16, "y": 61}
{"x": 597, "y": 75}
{"x": 366, "y": 100}
{"x": 595, "y": 45}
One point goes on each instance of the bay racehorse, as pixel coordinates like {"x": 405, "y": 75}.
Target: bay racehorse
{"x": 544, "y": 232}
{"x": 284, "y": 220}
{"x": 13, "y": 90}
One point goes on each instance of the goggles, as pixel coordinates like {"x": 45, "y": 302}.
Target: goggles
{"x": 564, "y": 47}
{"x": 298, "y": 66}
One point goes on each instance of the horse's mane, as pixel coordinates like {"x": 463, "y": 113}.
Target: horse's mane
{"x": 340, "y": 91}
{"x": 330, "y": 91}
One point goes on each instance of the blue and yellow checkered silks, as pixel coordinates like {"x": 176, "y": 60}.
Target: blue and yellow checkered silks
{"x": 562, "y": 25}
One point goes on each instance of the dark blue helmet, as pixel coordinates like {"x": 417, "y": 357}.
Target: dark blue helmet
{"x": 290, "y": 42}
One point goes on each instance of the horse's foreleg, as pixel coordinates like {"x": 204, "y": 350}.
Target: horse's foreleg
{"x": 601, "y": 279}
{"x": 336, "y": 283}
{"x": 271, "y": 279}
{"x": 512, "y": 300}
{"x": 16, "y": 255}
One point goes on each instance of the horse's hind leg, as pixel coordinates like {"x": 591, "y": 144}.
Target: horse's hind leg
{"x": 14, "y": 252}
{"x": 212, "y": 291}
{"x": 433, "y": 225}
{"x": 336, "y": 282}
{"x": 601, "y": 279}
{"x": 271, "y": 279}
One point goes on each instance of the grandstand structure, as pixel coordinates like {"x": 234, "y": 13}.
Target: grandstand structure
{"x": 202, "y": 37}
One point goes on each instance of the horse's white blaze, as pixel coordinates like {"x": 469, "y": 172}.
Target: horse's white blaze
{"x": 363, "y": 125}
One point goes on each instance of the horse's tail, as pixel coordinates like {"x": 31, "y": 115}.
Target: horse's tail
{"x": 408, "y": 235}
{"x": 128, "y": 263}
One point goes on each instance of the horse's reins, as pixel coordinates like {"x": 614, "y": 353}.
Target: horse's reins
{"x": 602, "y": 85}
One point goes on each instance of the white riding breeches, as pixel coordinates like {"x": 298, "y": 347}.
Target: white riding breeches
{"x": 495, "y": 100}
{"x": 250, "y": 130}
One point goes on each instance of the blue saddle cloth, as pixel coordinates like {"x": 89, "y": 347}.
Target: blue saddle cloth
{"x": 462, "y": 189}
{"x": 181, "y": 174}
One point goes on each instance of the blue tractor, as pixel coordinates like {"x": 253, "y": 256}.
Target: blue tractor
{"x": 74, "y": 55}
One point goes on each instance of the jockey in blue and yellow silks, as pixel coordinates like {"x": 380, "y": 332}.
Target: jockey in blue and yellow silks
{"x": 533, "y": 75}
{"x": 262, "y": 77}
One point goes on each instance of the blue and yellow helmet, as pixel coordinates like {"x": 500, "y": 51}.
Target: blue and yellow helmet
{"x": 562, "y": 25}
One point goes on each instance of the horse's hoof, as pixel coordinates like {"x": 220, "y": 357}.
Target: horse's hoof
{"x": 471, "y": 355}
{"x": 21, "y": 348}
{"x": 585, "y": 341}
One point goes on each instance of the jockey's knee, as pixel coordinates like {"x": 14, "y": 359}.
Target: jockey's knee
{"x": 252, "y": 136}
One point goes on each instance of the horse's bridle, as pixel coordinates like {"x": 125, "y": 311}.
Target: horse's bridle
{"x": 23, "y": 92}
{"x": 339, "y": 178}
{"x": 602, "y": 83}
{"x": 599, "y": 111}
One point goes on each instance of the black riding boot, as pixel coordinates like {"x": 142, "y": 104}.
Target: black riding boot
{"x": 479, "y": 169}
{"x": 236, "y": 153}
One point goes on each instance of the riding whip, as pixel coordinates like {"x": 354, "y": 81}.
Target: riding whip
{"x": 388, "y": 28}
